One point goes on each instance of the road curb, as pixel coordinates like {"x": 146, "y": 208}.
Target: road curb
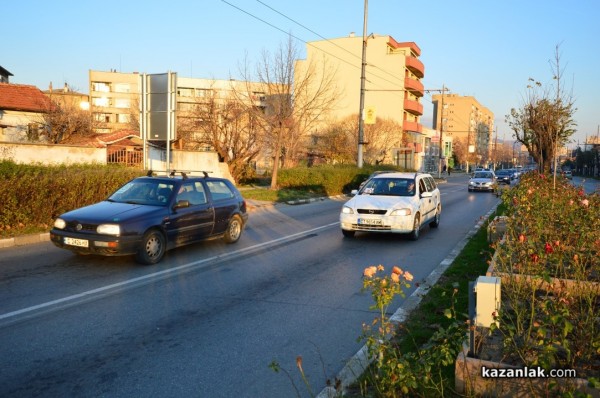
{"x": 311, "y": 200}
{"x": 25, "y": 240}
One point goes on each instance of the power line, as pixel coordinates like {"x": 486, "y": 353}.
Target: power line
{"x": 313, "y": 46}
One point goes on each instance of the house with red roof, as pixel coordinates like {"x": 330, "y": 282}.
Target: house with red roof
{"x": 21, "y": 111}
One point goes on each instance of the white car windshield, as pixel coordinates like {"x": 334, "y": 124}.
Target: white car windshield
{"x": 389, "y": 187}
{"x": 482, "y": 174}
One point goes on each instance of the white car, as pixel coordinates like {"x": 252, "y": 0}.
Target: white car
{"x": 394, "y": 203}
{"x": 482, "y": 181}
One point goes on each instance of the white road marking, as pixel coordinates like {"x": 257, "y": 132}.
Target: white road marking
{"x": 128, "y": 282}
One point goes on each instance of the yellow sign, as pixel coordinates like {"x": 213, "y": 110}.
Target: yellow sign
{"x": 370, "y": 115}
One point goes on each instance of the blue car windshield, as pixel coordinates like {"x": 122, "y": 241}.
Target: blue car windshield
{"x": 154, "y": 193}
{"x": 389, "y": 187}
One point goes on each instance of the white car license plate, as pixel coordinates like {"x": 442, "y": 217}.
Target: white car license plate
{"x": 369, "y": 221}
{"x": 77, "y": 242}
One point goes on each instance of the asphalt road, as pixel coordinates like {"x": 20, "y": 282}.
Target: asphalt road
{"x": 209, "y": 319}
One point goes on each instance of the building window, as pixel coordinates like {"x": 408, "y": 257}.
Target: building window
{"x": 122, "y": 88}
{"x": 122, "y": 103}
{"x": 102, "y": 87}
{"x": 185, "y": 92}
{"x": 202, "y": 93}
{"x": 123, "y": 118}
{"x": 186, "y": 106}
{"x": 102, "y": 117}
{"x": 33, "y": 131}
{"x": 100, "y": 101}
{"x": 258, "y": 96}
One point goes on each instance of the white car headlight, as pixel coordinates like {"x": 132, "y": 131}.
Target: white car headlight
{"x": 347, "y": 210}
{"x": 401, "y": 212}
{"x": 109, "y": 229}
{"x": 59, "y": 223}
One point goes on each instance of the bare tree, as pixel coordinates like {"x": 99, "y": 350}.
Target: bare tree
{"x": 337, "y": 145}
{"x": 296, "y": 98}
{"x": 340, "y": 141}
{"x": 227, "y": 125}
{"x": 382, "y": 137}
{"x": 545, "y": 119}
{"x": 460, "y": 150}
{"x": 134, "y": 115}
{"x": 64, "y": 122}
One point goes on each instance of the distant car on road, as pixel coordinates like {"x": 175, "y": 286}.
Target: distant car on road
{"x": 567, "y": 173}
{"x": 150, "y": 215}
{"x": 482, "y": 181}
{"x": 504, "y": 176}
{"x": 393, "y": 203}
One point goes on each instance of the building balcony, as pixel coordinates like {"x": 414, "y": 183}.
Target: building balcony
{"x": 414, "y": 86}
{"x": 412, "y": 126}
{"x": 415, "y": 66}
{"x": 413, "y": 107}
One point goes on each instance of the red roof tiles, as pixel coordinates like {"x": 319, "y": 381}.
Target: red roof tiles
{"x": 19, "y": 97}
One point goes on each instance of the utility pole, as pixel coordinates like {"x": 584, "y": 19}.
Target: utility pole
{"x": 442, "y": 90}
{"x": 361, "y": 122}
{"x": 441, "y": 134}
{"x": 468, "y": 142}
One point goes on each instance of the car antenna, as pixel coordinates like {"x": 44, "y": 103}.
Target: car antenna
{"x": 149, "y": 173}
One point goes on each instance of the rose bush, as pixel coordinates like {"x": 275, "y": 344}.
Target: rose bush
{"x": 550, "y": 266}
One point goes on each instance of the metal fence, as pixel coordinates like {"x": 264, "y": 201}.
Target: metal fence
{"x": 126, "y": 156}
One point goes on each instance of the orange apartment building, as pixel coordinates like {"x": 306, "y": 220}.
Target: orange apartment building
{"x": 393, "y": 87}
{"x": 468, "y": 123}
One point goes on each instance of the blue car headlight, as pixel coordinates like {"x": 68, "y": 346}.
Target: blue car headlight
{"x": 109, "y": 229}
{"x": 59, "y": 223}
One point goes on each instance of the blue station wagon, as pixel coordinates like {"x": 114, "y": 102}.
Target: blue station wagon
{"x": 150, "y": 215}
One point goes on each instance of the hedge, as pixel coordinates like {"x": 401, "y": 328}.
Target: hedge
{"x": 32, "y": 196}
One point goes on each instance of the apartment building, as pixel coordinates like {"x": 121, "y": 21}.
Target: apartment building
{"x": 469, "y": 123}
{"x": 393, "y": 87}
{"x": 114, "y": 99}
{"x": 193, "y": 94}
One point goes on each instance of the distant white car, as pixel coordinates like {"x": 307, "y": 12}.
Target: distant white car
{"x": 482, "y": 181}
{"x": 393, "y": 203}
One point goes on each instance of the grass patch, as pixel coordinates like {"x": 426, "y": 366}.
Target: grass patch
{"x": 283, "y": 194}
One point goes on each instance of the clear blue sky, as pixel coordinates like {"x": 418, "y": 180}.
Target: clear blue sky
{"x": 487, "y": 49}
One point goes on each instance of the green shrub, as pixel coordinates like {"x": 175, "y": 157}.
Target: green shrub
{"x": 34, "y": 195}
{"x": 331, "y": 180}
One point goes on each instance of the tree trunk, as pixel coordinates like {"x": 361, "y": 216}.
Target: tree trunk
{"x": 276, "y": 158}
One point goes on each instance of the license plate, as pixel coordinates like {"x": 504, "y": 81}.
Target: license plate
{"x": 77, "y": 242}
{"x": 369, "y": 221}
